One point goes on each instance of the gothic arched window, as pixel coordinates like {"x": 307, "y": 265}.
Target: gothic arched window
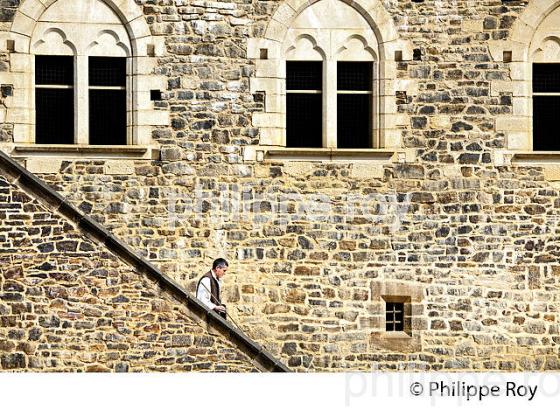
{"x": 83, "y": 73}
{"x": 544, "y": 55}
{"x": 327, "y": 75}
{"x": 332, "y": 79}
{"x": 83, "y": 63}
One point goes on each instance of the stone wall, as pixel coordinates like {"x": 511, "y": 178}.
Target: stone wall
{"x": 474, "y": 244}
{"x": 68, "y": 304}
{"x": 315, "y": 246}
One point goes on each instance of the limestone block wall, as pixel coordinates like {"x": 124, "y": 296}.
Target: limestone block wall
{"x": 469, "y": 240}
{"x": 474, "y": 248}
{"x": 68, "y": 304}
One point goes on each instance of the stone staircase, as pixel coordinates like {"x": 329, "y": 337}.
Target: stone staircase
{"x": 37, "y": 189}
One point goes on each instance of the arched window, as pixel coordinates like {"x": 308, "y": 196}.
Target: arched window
{"x": 544, "y": 55}
{"x": 83, "y": 74}
{"x": 328, "y": 74}
{"x": 83, "y": 64}
{"x": 533, "y": 54}
{"x": 332, "y": 78}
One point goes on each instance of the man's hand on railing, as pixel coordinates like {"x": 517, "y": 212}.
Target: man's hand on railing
{"x": 220, "y": 309}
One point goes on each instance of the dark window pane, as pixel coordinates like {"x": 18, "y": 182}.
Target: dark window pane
{"x": 389, "y": 325}
{"x": 546, "y": 78}
{"x": 354, "y": 76}
{"x": 546, "y": 135}
{"x": 304, "y": 75}
{"x": 54, "y": 70}
{"x": 304, "y": 120}
{"x": 354, "y": 120}
{"x": 107, "y": 71}
{"x": 394, "y": 321}
{"x": 107, "y": 117}
{"x": 54, "y": 116}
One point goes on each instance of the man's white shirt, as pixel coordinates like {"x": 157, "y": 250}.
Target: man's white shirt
{"x": 203, "y": 292}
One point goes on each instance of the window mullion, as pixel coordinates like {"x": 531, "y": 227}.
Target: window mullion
{"x": 375, "y": 128}
{"x": 329, "y": 103}
{"x": 131, "y": 137}
{"x": 81, "y": 100}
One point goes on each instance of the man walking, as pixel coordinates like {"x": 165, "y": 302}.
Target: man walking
{"x": 208, "y": 288}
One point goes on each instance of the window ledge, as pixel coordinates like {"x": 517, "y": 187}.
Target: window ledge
{"x": 76, "y": 151}
{"x": 397, "y": 341}
{"x": 549, "y": 161}
{"x": 397, "y": 336}
{"x": 535, "y": 157}
{"x": 383, "y": 155}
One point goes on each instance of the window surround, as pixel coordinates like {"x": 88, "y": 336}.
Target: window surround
{"x": 379, "y": 43}
{"x": 129, "y": 38}
{"x": 406, "y": 313}
{"x": 532, "y": 41}
{"x": 411, "y": 295}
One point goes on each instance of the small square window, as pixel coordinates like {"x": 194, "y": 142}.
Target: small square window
{"x": 394, "y": 317}
{"x": 396, "y": 327}
{"x": 398, "y": 314}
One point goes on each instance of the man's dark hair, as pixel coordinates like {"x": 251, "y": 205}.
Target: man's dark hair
{"x": 219, "y": 263}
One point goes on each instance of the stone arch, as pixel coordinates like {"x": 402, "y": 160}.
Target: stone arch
{"x": 372, "y": 11}
{"x": 382, "y": 46}
{"x": 128, "y": 11}
{"x": 136, "y": 44}
{"x": 114, "y": 42}
{"x": 61, "y": 36}
{"x": 548, "y": 49}
{"x": 368, "y": 53}
{"x": 311, "y": 44}
{"x": 518, "y": 128}
{"x": 529, "y": 20}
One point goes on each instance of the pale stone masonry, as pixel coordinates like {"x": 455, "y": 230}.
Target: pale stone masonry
{"x": 68, "y": 304}
{"x": 451, "y": 214}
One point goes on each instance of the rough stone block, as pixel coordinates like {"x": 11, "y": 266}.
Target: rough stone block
{"x": 13, "y": 361}
{"x": 43, "y": 165}
{"x": 272, "y": 136}
{"x": 518, "y": 140}
{"x": 23, "y": 24}
{"x": 298, "y": 169}
{"x": 473, "y": 26}
{"x": 513, "y": 123}
{"x": 275, "y": 120}
{"x": 366, "y": 170}
{"x": 118, "y": 168}
{"x": 552, "y": 172}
